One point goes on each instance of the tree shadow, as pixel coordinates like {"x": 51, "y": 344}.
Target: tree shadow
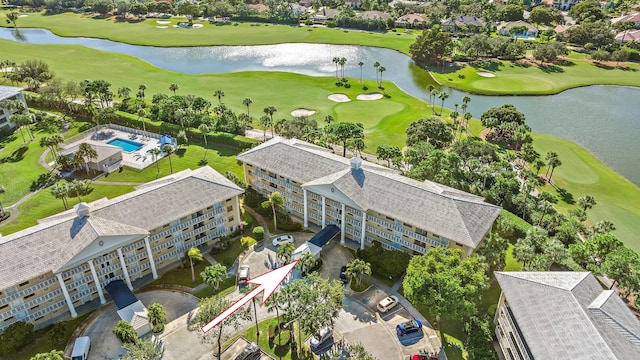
{"x": 626, "y": 68}
{"x": 520, "y": 64}
{"x": 180, "y": 152}
{"x": 603, "y": 66}
{"x": 566, "y": 196}
{"x": 447, "y": 69}
{"x": 489, "y": 65}
{"x": 565, "y": 62}
{"x": 6, "y": 140}
{"x": 550, "y": 68}
{"x": 16, "y": 155}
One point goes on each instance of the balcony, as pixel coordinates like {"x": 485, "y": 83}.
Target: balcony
{"x": 275, "y": 180}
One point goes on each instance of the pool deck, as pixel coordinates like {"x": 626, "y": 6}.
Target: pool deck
{"x": 138, "y": 159}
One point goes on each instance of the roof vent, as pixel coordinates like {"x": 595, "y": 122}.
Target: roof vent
{"x": 82, "y": 210}
{"x": 356, "y": 163}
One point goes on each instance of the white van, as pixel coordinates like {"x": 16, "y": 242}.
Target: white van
{"x": 81, "y": 348}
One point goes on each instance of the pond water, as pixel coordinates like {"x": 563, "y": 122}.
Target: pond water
{"x": 603, "y": 119}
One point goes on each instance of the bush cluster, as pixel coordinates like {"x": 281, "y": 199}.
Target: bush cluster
{"x": 384, "y": 262}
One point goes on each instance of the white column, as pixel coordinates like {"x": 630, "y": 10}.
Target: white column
{"x": 150, "y": 255}
{"x": 364, "y": 229}
{"x": 239, "y": 221}
{"x": 324, "y": 214}
{"x": 96, "y": 280}
{"x": 304, "y": 205}
{"x": 342, "y": 225}
{"x": 124, "y": 269}
{"x": 67, "y": 298}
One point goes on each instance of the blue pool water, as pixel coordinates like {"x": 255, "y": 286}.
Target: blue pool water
{"x": 127, "y": 146}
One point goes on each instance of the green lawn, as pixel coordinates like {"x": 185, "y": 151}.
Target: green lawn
{"x": 182, "y": 275}
{"x": 580, "y": 174}
{"x": 229, "y": 256}
{"x": 146, "y": 33}
{"x": 42, "y": 344}
{"x": 279, "y": 352}
{"x": 43, "y": 204}
{"x": 514, "y": 78}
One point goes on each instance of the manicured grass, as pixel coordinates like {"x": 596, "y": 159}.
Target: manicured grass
{"x": 364, "y": 285}
{"x": 43, "y": 204}
{"x": 41, "y": 342}
{"x": 516, "y": 78}
{"x": 146, "y": 33}
{"x": 618, "y": 200}
{"x": 182, "y": 275}
{"x": 229, "y": 256}
{"x": 284, "y": 90}
{"x": 278, "y": 352}
{"x": 226, "y": 286}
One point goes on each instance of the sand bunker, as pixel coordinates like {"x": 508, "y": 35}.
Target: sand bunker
{"x": 302, "y": 112}
{"x": 197, "y": 26}
{"x": 23, "y": 15}
{"x": 371, "y": 96}
{"x": 163, "y": 22}
{"x": 485, "y": 74}
{"x": 161, "y": 27}
{"x": 338, "y": 98}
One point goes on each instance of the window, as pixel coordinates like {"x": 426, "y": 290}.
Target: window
{"x": 230, "y": 219}
{"x": 24, "y": 283}
{"x": 229, "y": 208}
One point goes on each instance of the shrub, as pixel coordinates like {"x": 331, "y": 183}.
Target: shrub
{"x": 286, "y": 223}
{"x": 15, "y": 336}
{"x": 252, "y": 198}
{"x": 58, "y": 333}
{"x": 384, "y": 262}
{"x": 258, "y": 233}
{"x": 247, "y": 241}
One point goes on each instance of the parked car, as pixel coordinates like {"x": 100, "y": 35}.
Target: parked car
{"x": 422, "y": 357}
{"x": 282, "y": 239}
{"x": 243, "y": 274}
{"x": 343, "y": 275}
{"x": 408, "y": 327}
{"x": 252, "y": 351}
{"x": 324, "y": 335}
{"x": 387, "y": 303}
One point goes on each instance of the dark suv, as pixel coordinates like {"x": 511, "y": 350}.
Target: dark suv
{"x": 252, "y": 351}
{"x": 343, "y": 275}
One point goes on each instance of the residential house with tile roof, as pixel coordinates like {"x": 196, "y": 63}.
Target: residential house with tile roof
{"x": 563, "y": 315}
{"x": 630, "y": 18}
{"x": 367, "y": 201}
{"x": 563, "y": 5}
{"x": 9, "y": 93}
{"x": 408, "y": 21}
{"x": 525, "y": 30}
{"x": 59, "y": 268}
{"x": 462, "y": 22}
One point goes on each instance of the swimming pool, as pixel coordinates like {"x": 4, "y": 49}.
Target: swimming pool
{"x": 127, "y": 146}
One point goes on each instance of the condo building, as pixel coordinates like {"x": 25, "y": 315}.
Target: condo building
{"x": 563, "y": 315}
{"x": 60, "y": 267}
{"x": 9, "y": 93}
{"x": 367, "y": 201}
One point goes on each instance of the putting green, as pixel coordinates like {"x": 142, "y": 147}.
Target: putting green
{"x": 497, "y": 84}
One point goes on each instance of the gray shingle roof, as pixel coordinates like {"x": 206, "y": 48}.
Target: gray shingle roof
{"x": 567, "y": 315}
{"x": 8, "y": 91}
{"x": 49, "y": 245}
{"x": 102, "y": 150}
{"x": 450, "y": 213}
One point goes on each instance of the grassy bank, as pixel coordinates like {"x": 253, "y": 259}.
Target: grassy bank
{"x": 581, "y": 173}
{"x": 146, "y": 33}
{"x": 519, "y": 78}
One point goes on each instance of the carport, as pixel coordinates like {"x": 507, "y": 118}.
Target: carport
{"x": 130, "y": 309}
{"x": 314, "y": 246}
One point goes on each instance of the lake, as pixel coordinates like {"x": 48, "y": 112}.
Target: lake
{"x": 603, "y": 119}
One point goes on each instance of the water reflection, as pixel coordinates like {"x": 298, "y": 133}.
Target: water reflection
{"x": 602, "y": 119}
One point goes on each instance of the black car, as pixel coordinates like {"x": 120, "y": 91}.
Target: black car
{"x": 252, "y": 351}
{"x": 343, "y": 275}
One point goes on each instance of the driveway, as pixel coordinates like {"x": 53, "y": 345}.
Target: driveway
{"x": 105, "y": 345}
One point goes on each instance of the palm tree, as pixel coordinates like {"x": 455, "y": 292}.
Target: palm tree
{"x": 442, "y": 96}
{"x": 376, "y": 65}
{"x": 194, "y": 254}
{"x": 168, "y": 149}
{"x": 246, "y": 102}
{"x": 276, "y": 200}
{"x": 274, "y": 302}
{"x": 265, "y": 122}
{"x": 86, "y": 152}
{"x": 270, "y": 110}
{"x": 381, "y": 69}
{"x": 585, "y": 202}
{"x": 328, "y": 119}
{"x": 213, "y": 275}
{"x": 12, "y": 17}
{"x": 554, "y": 163}
{"x": 356, "y": 268}
{"x": 285, "y": 252}
{"x": 219, "y": 94}
{"x": 60, "y": 191}
{"x": 174, "y": 88}
{"x": 155, "y": 152}
{"x": 342, "y": 61}
{"x": 551, "y": 158}
{"x": 204, "y": 129}
{"x": 157, "y": 317}
{"x": 125, "y": 332}
{"x": 78, "y": 186}
{"x": 361, "y": 63}
{"x": 430, "y": 90}
{"x": 141, "y": 89}
{"x": 51, "y": 355}
{"x": 306, "y": 263}
{"x": 335, "y": 61}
